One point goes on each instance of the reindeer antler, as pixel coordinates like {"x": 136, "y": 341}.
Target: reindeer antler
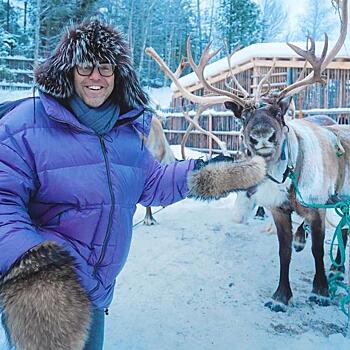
{"x": 219, "y": 96}
{"x": 199, "y": 71}
{"x": 318, "y": 64}
{"x": 211, "y": 100}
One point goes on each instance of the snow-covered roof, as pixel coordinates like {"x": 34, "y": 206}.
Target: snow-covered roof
{"x": 263, "y": 50}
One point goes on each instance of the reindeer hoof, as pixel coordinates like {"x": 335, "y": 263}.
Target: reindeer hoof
{"x": 276, "y": 306}
{"x": 299, "y": 246}
{"x": 319, "y": 300}
{"x": 336, "y": 275}
{"x": 150, "y": 222}
{"x": 260, "y": 214}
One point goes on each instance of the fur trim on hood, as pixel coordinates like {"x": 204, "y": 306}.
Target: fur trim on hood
{"x": 91, "y": 42}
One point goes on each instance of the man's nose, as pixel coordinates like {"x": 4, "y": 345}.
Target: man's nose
{"x": 95, "y": 75}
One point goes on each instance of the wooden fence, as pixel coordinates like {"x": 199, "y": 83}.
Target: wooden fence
{"x": 16, "y": 73}
{"x": 226, "y": 127}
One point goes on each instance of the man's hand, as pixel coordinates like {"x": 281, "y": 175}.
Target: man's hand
{"x": 43, "y": 304}
{"x": 219, "y": 177}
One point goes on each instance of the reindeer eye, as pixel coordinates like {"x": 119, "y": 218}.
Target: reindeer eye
{"x": 272, "y": 138}
{"x": 253, "y": 141}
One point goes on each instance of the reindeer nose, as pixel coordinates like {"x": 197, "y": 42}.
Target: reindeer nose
{"x": 253, "y": 140}
{"x": 263, "y": 132}
{"x": 272, "y": 138}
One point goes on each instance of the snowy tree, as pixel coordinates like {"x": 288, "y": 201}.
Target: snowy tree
{"x": 173, "y": 22}
{"x": 317, "y": 20}
{"x": 273, "y": 20}
{"x": 164, "y": 25}
{"x": 85, "y": 8}
{"x": 238, "y": 22}
{"x": 9, "y": 28}
{"x": 7, "y": 42}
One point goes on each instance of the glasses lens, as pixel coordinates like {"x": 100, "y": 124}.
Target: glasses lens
{"x": 85, "y": 70}
{"x": 106, "y": 69}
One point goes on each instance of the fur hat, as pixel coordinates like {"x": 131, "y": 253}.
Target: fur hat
{"x": 90, "y": 42}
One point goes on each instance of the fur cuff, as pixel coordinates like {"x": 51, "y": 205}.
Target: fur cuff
{"x": 43, "y": 303}
{"x": 217, "y": 180}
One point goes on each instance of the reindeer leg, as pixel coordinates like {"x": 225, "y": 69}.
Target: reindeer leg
{"x": 336, "y": 269}
{"x": 320, "y": 293}
{"x": 260, "y": 213}
{"x": 149, "y": 219}
{"x": 299, "y": 238}
{"x": 283, "y": 294}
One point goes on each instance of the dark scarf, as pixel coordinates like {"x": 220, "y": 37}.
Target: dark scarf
{"x": 100, "y": 119}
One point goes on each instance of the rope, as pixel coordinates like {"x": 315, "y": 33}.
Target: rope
{"x": 342, "y": 209}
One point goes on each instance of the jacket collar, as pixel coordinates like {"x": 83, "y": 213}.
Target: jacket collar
{"x": 140, "y": 118}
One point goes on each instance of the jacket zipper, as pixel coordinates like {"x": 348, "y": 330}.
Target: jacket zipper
{"x": 111, "y": 212}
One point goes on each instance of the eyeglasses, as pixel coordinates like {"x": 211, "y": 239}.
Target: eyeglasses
{"x": 105, "y": 69}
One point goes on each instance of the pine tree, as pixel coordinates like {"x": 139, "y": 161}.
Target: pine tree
{"x": 9, "y": 28}
{"x": 238, "y": 22}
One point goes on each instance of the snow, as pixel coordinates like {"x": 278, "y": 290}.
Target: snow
{"x": 160, "y": 97}
{"x": 8, "y": 95}
{"x": 198, "y": 281}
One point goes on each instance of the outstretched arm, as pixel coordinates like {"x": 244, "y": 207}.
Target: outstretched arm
{"x": 201, "y": 180}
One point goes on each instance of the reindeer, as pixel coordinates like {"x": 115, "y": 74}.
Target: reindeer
{"x": 286, "y": 145}
{"x": 309, "y": 150}
{"x": 158, "y": 145}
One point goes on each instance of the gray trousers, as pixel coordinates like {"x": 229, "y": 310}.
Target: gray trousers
{"x": 96, "y": 334}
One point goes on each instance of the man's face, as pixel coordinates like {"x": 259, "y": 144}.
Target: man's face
{"x": 93, "y": 89}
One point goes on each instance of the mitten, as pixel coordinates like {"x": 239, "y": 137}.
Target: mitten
{"x": 44, "y": 307}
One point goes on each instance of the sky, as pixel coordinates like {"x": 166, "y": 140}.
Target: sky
{"x": 295, "y": 8}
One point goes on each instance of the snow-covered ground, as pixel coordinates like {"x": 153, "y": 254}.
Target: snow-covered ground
{"x": 8, "y": 95}
{"x": 198, "y": 281}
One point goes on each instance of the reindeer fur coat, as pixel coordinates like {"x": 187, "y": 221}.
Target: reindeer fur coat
{"x": 312, "y": 151}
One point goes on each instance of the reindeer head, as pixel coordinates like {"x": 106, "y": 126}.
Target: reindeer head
{"x": 263, "y": 127}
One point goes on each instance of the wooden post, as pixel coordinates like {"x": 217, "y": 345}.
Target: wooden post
{"x": 256, "y": 74}
{"x": 210, "y": 140}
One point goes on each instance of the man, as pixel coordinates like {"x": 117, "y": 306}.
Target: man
{"x": 73, "y": 167}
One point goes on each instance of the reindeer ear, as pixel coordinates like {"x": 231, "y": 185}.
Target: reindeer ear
{"x": 235, "y": 108}
{"x": 284, "y": 104}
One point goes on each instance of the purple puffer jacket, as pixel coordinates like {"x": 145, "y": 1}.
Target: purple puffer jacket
{"x": 60, "y": 181}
